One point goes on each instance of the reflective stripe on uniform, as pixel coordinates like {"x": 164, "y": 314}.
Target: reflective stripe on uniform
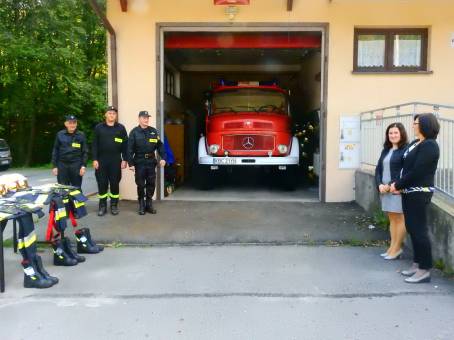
{"x": 4, "y": 216}
{"x": 27, "y": 241}
{"x": 66, "y": 200}
{"x": 78, "y": 204}
{"x": 114, "y": 196}
{"x": 75, "y": 192}
{"x": 60, "y": 213}
{"x": 103, "y": 196}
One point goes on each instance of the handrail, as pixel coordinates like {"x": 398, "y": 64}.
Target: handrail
{"x": 398, "y": 106}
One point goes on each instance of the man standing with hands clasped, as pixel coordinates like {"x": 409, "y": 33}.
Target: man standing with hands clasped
{"x": 109, "y": 157}
{"x": 143, "y": 143}
{"x": 69, "y": 155}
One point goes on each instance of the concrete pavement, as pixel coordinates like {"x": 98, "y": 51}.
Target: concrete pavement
{"x": 229, "y": 270}
{"x": 179, "y": 222}
{"x": 229, "y": 292}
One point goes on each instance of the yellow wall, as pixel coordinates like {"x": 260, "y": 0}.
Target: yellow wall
{"x": 347, "y": 93}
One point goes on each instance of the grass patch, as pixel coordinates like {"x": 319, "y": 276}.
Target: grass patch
{"x": 442, "y": 266}
{"x": 115, "y": 244}
{"x": 380, "y": 220}
{"x": 356, "y": 243}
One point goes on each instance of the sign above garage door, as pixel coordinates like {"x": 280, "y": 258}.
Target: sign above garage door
{"x": 242, "y": 40}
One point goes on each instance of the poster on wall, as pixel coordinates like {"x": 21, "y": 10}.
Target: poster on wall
{"x": 349, "y": 155}
{"x": 349, "y": 142}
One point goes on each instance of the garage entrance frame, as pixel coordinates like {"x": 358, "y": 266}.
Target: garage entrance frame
{"x": 323, "y": 28}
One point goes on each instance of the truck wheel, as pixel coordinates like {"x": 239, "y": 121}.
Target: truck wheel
{"x": 203, "y": 178}
{"x": 288, "y": 178}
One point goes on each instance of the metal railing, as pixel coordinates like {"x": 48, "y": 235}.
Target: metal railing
{"x": 375, "y": 122}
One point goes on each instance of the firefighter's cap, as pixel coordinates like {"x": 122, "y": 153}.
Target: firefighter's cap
{"x": 70, "y": 118}
{"x": 111, "y": 108}
{"x": 144, "y": 114}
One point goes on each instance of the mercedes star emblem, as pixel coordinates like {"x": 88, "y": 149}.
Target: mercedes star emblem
{"x": 248, "y": 142}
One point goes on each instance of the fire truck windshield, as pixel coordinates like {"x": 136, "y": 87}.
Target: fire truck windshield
{"x": 249, "y": 100}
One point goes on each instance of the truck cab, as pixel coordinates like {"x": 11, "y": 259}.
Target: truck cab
{"x": 248, "y": 124}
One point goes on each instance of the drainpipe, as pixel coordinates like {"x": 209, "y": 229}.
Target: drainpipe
{"x": 113, "y": 50}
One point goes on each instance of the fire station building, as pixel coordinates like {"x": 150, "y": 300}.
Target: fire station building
{"x": 334, "y": 59}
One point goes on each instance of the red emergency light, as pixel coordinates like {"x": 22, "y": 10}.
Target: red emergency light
{"x": 231, "y": 2}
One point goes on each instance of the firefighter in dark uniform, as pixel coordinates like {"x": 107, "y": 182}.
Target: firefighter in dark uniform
{"x": 109, "y": 157}
{"x": 143, "y": 143}
{"x": 69, "y": 155}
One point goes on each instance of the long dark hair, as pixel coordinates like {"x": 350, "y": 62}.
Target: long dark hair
{"x": 403, "y": 136}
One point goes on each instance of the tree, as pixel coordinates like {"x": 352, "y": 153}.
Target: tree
{"x": 52, "y": 63}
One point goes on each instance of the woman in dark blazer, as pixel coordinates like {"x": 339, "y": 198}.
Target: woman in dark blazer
{"x": 387, "y": 171}
{"x": 416, "y": 185}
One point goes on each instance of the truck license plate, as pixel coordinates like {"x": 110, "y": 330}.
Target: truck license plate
{"x": 224, "y": 161}
{"x": 5, "y": 162}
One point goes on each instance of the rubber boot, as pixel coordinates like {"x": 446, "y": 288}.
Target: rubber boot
{"x": 66, "y": 242}
{"x": 102, "y": 207}
{"x": 39, "y": 266}
{"x": 61, "y": 258}
{"x": 149, "y": 206}
{"x": 83, "y": 246}
{"x": 141, "y": 210}
{"x": 90, "y": 239}
{"x": 32, "y": 278}
{"x": 114, "y": 207}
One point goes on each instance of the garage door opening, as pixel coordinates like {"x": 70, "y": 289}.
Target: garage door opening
{"x": 241, "y": 113}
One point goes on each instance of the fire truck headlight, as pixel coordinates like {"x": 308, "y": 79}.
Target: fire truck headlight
{"x": 214, "y": 148}
{"x": 282, "y": 148}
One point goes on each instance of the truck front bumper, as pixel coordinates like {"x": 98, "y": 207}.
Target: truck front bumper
{"x": 291, "y": 159}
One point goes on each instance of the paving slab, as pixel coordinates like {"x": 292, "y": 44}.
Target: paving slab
{"x": 228, "y": 292}
{"x": 186, "y": 222}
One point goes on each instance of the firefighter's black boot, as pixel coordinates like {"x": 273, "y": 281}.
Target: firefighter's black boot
{"x": 114, "y": 206}
{"x": 102, "y": 207}
{"x": 83, "y": 245}
{"x": 149, "y": 206}
{"x": 141, "y": 210}
{"x": 90, "y": 240}
{"x": 32, "y": 278}
{"x": 70, "y": 251}
{"x": 61, "y": 258}
{"x": 39, "y": 266}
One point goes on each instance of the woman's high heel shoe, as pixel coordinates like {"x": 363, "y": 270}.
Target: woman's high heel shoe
{"x": 411, "y": 271}
{"x": 384, "y": 254}
{"x": 395, "y": 257}
{"x": 419, "y": 278}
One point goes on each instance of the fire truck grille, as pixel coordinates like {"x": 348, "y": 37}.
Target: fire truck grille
{"x": 247, "y": 142}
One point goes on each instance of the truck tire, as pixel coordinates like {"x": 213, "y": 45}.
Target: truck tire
{"x": 289, "y": 179}
{"x": 203, "y": 178}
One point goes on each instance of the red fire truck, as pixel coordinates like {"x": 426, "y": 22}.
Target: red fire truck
{"x": 248, "y": 124}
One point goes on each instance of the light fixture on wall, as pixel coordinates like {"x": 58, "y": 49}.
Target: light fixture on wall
{"x": 231, "y": 12}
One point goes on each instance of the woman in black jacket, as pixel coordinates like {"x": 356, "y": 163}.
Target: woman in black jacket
{"x": 387, "y": 171}
{"x": 416, "y": 185}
